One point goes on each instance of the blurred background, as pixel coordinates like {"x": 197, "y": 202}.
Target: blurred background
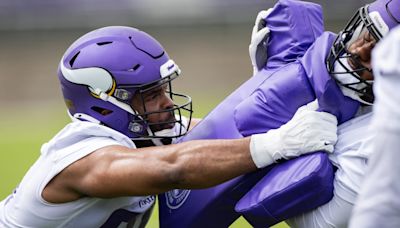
{"x": 208, "y": 38}
{"x": 196, "y": 33}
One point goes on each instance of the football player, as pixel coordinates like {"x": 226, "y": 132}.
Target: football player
{"x": 378, "y": 204}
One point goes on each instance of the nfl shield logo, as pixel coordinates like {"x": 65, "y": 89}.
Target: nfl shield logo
{"x": 175, "y": 198}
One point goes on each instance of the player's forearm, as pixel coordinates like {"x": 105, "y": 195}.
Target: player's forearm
{"x": 201, "y": 164}
{"x": 153, "y": 170}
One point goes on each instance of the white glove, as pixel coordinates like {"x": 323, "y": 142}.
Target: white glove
{"x": 259, "y": 40}
{"x": 308, "y": 131}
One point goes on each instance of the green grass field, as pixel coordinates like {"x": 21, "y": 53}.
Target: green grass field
{"x": 21, "y": 136}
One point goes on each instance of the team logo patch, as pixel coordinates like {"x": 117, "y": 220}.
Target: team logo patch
{"x": 176, "y": 198}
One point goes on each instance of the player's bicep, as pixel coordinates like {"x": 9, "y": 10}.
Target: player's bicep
{"x": 116, "y": 171}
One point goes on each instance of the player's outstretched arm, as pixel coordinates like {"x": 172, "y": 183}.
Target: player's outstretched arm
{"x": 119, "y": 171}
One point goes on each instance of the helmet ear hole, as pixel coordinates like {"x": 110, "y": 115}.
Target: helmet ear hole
{"x": 102, "y": 111}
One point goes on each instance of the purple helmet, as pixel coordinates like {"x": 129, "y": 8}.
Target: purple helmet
{"x": 102, "y": 71}
{"x": 377, "y": 18}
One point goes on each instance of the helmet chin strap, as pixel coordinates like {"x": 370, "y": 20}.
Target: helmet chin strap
{"x": 172, "y": 131}
{"x": 165, "y": 132}
{"x": 157, "y": 142}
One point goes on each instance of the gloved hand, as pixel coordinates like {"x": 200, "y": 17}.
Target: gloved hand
{"x": 308, "y": 131}
{"x": 259, "y": 41}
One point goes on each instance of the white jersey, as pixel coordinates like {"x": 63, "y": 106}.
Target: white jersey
{"x": 27, "y": 208}
{"x": 379, "y": 204}
{"x": 351, "y": 154}
{"x": 350, "y": 157}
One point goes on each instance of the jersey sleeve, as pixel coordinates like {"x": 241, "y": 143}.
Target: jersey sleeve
{"x": 74, "y": 143}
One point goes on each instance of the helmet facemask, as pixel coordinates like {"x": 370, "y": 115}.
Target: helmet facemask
{"x": 349, "y": 63}
{"x": 173, "y": 126}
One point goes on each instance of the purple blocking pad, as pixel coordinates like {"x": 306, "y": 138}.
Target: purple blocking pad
{"x": 303, "y": 183}
{"x": 295, "y": 75}
{"x": 211, "y": 207}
